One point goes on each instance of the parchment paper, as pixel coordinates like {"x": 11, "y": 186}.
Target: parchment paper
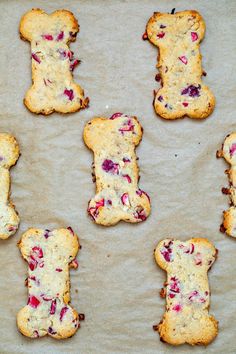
{"x": 118, "y": 281}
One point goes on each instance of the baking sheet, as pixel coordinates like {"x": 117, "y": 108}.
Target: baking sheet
{"x": 118, "y": 281}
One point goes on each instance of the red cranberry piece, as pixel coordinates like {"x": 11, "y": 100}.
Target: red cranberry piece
{"x": 69, "y": 94}
{"x": 125, "y": 199}
{"x": 71, "y": 230}
{"x": 161, "y": 34}
{"x": 194, "y": 36}
{"x": 38, "y": 251}
{"x": 59, "y": 270}
{"x": 48, "y": 37}
{"x": 74, "y": 263}
{"x": 128, "y": 178}
{"x": 127, "y": 127}
{"x": 36, "y": 58}
{"x": 184, "y": 59}
{"x": 140, "y": 214}
{"x": 140, "y": 192}
{"x": 177, "y": 307}
{"x": 60, "y": 36}
{"x": 160, "y": 98}
{"x": 32, "y": 263}
{"x": 53, "y": 307}
{"x": 232, "y": 149}
{"x": 63, "y": 312}
{"x": 116, "y": 115}
{"x": 74, "y": 64}
{"x": 185, "y": 104}
{"x": 110, "y": 166}
{"x": 33, "y": 301}
{"x": 198, "y": 259}
{"x": 51, "y": 331}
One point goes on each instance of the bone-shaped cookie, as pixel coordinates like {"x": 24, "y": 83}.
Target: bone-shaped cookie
{"x": 118, "y": 196}
{"x": 9, "y": 154}
{"x": 53, "y": 86}
{"x": 187, "y": 293}
{"x": 228, "y": 151}
{"x": 178, "y": 38}
{"x": 49, "y": 254}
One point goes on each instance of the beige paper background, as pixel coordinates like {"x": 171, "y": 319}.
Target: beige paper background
{"x": 118, "y": 280}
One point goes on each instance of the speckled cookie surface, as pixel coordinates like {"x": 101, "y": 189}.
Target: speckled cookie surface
{"x": 186, "y": 290}
{"x": 178, "y": 38}
{"x": 9, "y": 154}
{"x": 118, "y": 196}
{"x": 53, "y": 62}
{"x": 49, "y": 254}
{"x": 228, "y": 151}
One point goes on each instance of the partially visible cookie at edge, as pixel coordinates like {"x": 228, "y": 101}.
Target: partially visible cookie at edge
{"x": 49, "y": 254}
{"x": 182, "y": 91}
{"x": 9, "y": 154}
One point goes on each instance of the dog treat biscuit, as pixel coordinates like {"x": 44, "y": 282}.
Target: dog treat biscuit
{"x": 118, "y": 196}
{"x": 228, "y": 151}
{"x": 186, "y": 290}
{"x": 9, "y": 154}
{"x": 49, "y": 254}
{"x": 178, "y": 38}
{"x": 53, "y": 62}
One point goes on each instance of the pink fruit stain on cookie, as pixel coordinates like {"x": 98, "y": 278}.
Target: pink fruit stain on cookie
{"x": 232, "y": 149}
{"x": 140, "y": 192}
{"x": 74, "y": 263}
{"x": 58, "y": 270}
{"x": 194, "y": 36}
{"x": 184, "y": 59}
{"x": 177, "y": 307}
{"x": 36, "y": 58}
{"x": 161, "y": 34}
{"x": 166, "y": 251}
{"x": 33, "y": 301}
{"x": 127, "y": 127}
{"x": 191, "y": 91}
{"x": 38, "y": 251}
{"x": 110, "y": 166}
{"x": 198, "y": 258}
{"x": 63, "y": 312}
{"x": 46, "y": 233}
{"x": 74, "y": 64}
{"x": 53, "y": 307}
{"x": 116, "y": 115}
{"x": 60, "y": 36}
{"x": 48, "y": 37}
{"x": 128, "y": 178}
{"x": 187, "y": 249}
{"x": 140, "y": 214}
{"x": 125, "y": 199}
{"x": 69, "y": 94}
{"x": 71, "y": 230}
{"x": 32, "y": 263}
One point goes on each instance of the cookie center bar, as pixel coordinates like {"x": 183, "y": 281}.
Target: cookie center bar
{"x": 183, "y": 93}
{"x": 187, "y": 291}
{"x": 118, "y": 196}
{"x": 52, "y": 62}
{"x": 49, "y": 255}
